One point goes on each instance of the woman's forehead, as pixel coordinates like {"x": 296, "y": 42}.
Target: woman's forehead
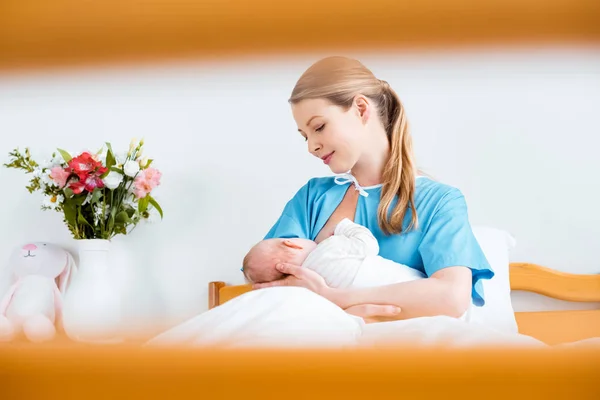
{"x": 307, "y": 109}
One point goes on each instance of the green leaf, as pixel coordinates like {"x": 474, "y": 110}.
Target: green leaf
{"x": 143, "y": 204}
{"x": 66, "y": 156}
{"x": 148, "y": 164}
{"x": 130, "y": 211}
{"x": 111, "y": 222}
{"x": 121, "y": 228}
{"x": 96, "y": 195}
{"x": 70, "y": 213}
{"x": 155, "y": 204}
{"x": 115, "y": 169}
{"x": 110, "y": 161}
{"x": 122, "y": 218}
{"x": 81, "y": 219}
{"x": 68, "y": 193}
{"x": 79, "y": 199}
{"x": 110, "y": 151}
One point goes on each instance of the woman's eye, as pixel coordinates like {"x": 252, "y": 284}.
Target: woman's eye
{"x": 320, "y": 128}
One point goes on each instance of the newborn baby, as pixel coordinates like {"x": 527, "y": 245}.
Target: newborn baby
{"x": 347, "y": 258}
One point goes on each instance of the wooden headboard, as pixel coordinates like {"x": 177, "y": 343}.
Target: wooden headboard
{"x": 552, "y": 327}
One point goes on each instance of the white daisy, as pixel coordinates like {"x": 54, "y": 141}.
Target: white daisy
{"x": 45, "y": 178}
{"x": 57, "y": 161}
{"x": 37, "y": 172}
{"x": 52, "y": 202}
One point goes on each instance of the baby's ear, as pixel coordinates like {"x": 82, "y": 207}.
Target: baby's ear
{"x": 291, "y": 244}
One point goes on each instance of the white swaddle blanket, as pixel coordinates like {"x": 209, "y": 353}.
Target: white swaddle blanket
{"x": 350, "y": 258}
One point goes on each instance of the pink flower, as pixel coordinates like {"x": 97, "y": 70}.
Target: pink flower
{"x": 145, "y": 182}
{"x": 59, "y": 176}
{"x": 153, "y": 176}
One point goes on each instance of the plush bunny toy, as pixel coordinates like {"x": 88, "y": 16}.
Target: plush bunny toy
{"x": 41, "y": 273}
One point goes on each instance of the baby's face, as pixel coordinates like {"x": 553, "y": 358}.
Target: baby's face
{"x": 263, "y": 257}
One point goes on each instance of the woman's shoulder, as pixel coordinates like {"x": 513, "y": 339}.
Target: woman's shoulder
{"x": 432, "y": 186}
{"x": 435, "y": 195}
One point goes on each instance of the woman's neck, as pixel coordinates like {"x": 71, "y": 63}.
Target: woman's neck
{"x": 368, "y": 171}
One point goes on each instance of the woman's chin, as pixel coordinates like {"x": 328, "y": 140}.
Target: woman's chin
{"x": 339, "y": 169}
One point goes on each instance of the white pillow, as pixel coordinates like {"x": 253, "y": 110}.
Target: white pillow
{"x": 498, "y": 312}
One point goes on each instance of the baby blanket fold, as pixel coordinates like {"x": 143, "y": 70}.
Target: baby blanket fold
{"x": 350, "y": 258}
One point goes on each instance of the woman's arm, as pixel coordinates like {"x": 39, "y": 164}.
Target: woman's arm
{"x": 446, "y": 292}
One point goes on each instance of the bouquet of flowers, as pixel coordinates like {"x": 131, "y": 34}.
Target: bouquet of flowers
{"x": 99, "y": 194}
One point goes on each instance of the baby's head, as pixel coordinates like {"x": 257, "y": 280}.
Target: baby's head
{"x": 259, "y": 263}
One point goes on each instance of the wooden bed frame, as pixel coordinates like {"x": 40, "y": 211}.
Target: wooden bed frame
{"x": 551, "y": 327}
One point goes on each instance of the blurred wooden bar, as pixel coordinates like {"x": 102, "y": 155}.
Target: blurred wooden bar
{"x": 82, "y": 372}
{"x": 58, "y": 33}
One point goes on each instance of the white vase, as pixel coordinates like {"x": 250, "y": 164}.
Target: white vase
{"x": 92, "y": 303}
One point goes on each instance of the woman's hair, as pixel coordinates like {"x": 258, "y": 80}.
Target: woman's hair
{"x": 339, "y": 80}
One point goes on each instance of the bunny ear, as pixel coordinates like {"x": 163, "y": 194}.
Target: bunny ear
{"x": 65, "y": 276}
{"x": 58, "y": 309}
{"x": 7, "y": 277}
{"x": 7, "y": 298}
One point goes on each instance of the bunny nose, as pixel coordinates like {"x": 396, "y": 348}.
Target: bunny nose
{"x": 30, "y": 247}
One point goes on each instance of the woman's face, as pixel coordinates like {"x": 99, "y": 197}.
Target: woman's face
{"x": 333, "y": 134}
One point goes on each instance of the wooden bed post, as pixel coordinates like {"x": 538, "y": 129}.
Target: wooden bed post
{"x": 213, "y": 293}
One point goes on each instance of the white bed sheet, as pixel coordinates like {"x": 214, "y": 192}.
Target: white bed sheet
{"x": 288, "y": 317}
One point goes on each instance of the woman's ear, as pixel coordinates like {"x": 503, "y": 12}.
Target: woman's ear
{"x": 363, "y": 108}
{"x": 292, "y": 245}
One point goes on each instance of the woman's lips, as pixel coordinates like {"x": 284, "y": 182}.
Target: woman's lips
{"x": 327, "y": 158}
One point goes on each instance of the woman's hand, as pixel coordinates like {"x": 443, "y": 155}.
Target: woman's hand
{"x": 375, "y": 312}
{"x": 298, "y": 276}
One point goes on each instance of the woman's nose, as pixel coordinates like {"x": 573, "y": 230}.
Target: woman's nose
{"x": 313, "y": 147}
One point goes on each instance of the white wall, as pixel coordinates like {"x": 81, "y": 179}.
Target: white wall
{"x": 516, "y": 131}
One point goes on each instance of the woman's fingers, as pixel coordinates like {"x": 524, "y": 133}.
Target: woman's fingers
{"x": 280, "y": 282}
{"x": 287, "y": 281}
{"x": 290, "y": 269}
{"x": 297, "y": 276}
{"x": 382, "y": 310}
{"x": 265, "y": 285}
{"x": 374, "y": 310}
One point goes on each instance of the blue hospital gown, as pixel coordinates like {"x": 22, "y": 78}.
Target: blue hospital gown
{"x": 443, "y": 238}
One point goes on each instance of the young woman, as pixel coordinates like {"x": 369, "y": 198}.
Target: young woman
{"x": 356, "y": 124}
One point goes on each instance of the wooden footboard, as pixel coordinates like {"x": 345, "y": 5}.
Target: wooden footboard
{"x": 555, "y": 327}
{"x": 126, "y": 373}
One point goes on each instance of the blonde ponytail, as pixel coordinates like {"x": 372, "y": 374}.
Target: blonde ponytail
{"x": 399, "y": 172}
